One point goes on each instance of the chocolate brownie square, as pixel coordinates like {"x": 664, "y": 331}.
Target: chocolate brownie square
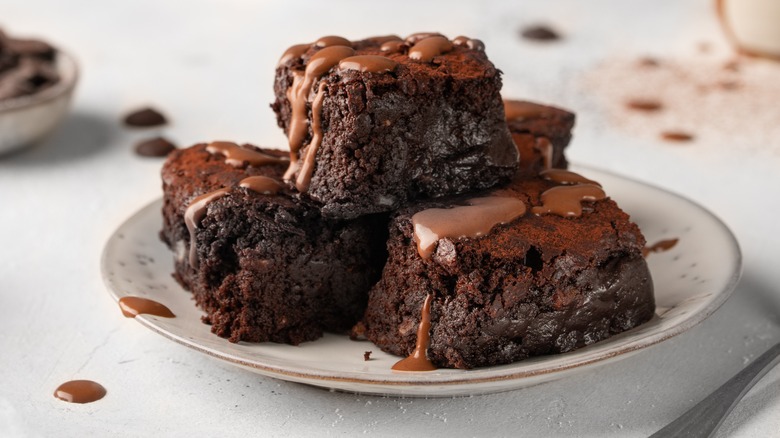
{"x": 263, "y": 264}
{"x": 373, "y": 124}
{"x": 545, "y": 265}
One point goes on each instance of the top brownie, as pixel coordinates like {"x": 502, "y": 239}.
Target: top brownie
{"x": 375, "y": 123}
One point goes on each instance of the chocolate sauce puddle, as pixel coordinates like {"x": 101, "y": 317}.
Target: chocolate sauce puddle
{"x": 660, "y": 246}
{"x": 134, "y": 306}
{"x": 80, "y": 391}
{"x": 418, "y": 360}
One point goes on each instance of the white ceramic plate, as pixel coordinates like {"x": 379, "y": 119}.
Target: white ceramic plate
{"x": 691, "y": 281}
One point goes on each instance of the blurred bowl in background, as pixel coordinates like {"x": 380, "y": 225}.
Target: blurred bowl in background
{"x": 27, "y": 119}
{"x": 753, "y": 26}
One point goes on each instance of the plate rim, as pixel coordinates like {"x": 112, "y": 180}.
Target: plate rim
{"x": 470, "y": 377}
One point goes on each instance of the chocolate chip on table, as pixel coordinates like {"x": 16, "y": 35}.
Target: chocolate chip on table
{"x": 367, "y": 355}
{"x": 677, "y": 136}
{"x": 154, "y": 147}
{"x": 644, "y": 104}
{"x": 539, "y": 32}
{"x": 146, "y": 117}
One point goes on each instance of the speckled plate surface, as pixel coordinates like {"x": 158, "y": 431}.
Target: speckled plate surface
{"x": 691, "y": 281}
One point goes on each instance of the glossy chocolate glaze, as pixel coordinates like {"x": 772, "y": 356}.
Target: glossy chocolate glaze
{"x": 293, "y": 52}
{"x": 261, "y": 184}
{"x": 134, "y": 306}
{"x": 476, "y": 218}
{"x": 80, "y": 391}
{"x": 428, "y": 48}
{"x": 194, "y": 214}
{"x": 566, "y": 177}
{"x": 368, "y": 63}
{"x": 415, "y": 37}
{"x": 418, "y": 360}
{"x": 238, "y": 156}
{"x": 470, "y": 43}
{"x": 567, "y": 201}
{"x": 332, "y": 40}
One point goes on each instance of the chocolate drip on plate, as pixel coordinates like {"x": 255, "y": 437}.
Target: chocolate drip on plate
{"x": 660, "y": 246}
{"x": 261, "y": 184}
{"x": 298, "y": 93}
{"x": 475, "y": 219}
{"x": 238, "y": 156}
{"x": 566, "y": 177}
{"x": 195, "y": 214}
{"x": 428, "y": 48}
{"x": 567, "y": 201}
{"x": 134, "y": 306}
{"x": 80, "y": 391}
{"x": 418, "y": 360}
{"x": 368, "y": 64}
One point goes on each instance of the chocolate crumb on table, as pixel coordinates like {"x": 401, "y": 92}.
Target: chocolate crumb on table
{"x": 367, "y": 355}
{"x": 145, "y": 118}
{"x": 154, "y": 147}
{"x": 539, "y": 32}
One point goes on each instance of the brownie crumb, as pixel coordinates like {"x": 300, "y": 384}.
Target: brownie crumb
{"x": 732, "y": 65}
{"x": 146, "y": 117}
{"x": 154, "y": 147}
{"x": 367, "y": 355}
{"x": 644, "y": 104}
{"x": 539, "y": 32}
{"x": 677, "y": 136}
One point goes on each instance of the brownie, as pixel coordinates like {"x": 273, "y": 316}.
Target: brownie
{"x": 521, "y": 283}
{"x": 26, "y": 66}
{"x": 540, "y": 132}
{"x": 265, "y": 266}
{"x": 373, "y": 124}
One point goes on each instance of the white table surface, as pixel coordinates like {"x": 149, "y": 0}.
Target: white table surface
{"x": 209, "y": 66}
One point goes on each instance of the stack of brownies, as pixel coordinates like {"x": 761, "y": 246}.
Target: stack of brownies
{"x": 411, "y": 193}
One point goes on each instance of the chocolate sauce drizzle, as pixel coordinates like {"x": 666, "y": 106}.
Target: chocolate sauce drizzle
{"x": 238, "y": 156}
{"x": 428, "y": 48}
{"x": 80, "y": 391}
{"x": 332, "y": 40}
{"x": 416, "y": 37}
{"x": 475, "y": 219}
{"x": 293, "y": 52}
{"x": 393, "y": 46}
{"x": 566, "y": 177}
{"x": 567, "y": 201}
{"x": 194, "y": 215}
{"x": 298, "y": 93}
{"x": 471, "y": 43}
{"x": 368, "y": 63}
{"x": 134, "y": 306}
{"x": 660, "y": 246}
{"x": 418, "y": 360}
{"x": 261, "y": 184}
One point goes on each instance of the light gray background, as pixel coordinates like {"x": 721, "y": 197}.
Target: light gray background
{"x": 209, "y": 66}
